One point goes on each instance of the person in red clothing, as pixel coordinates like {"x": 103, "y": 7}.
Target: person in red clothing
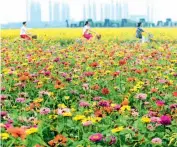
{"x": 24, "y": 33}
{"x": 87, "y": 31}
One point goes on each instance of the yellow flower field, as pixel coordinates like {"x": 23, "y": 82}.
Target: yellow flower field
{"x": 107, "y": 33}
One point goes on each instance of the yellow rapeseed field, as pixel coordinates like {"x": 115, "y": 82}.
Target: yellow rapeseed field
{"x": 165, "y": 34}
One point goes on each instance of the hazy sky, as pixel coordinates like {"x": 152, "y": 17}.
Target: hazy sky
{"x": 15, "y": 10}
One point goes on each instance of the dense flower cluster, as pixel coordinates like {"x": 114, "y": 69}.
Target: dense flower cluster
{"x": 111, "y": 92}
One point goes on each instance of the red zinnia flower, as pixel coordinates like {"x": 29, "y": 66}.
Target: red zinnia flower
{"x": 122, "y": 62}
{"x": 175, "y": 94}
{"x": 105, "y": 91}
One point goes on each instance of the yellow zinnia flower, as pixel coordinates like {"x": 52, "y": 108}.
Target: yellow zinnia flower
{"x": 67, "y": 114}
{"x": 145, "y": 119}
{"x": 79, "y": 117}
{"x": 118, "y": 129}
{"x": 4, "y": 136}
{"x": 31, "y": 131}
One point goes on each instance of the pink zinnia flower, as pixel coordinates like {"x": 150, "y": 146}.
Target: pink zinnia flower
{"x": 97, "y": 98}
{"x": 85, "y": 86}
{"x": 44, "y": 110}
{"x": 156, "y": 141}
{"x": 117, "y": 107}
{"x": 84, "y": 104}
{"x": 160, "y": 103}
{"x": 165, "y": 120}
{"x": 3, "y": 97}
{"x": 155, "y": 119}
{"x": 20, "y": 100}
{"x": 64, "y": 110}
{"x": 141, "y": 96}
{"x": 87, "y": 123}
{"x": 162, "y": 81}
{"x": 96, "y": 137}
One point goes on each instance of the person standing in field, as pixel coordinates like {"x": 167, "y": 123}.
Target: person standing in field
{"x": 87, "y": 31}
{"x": 24, "y": 33}
{"x": 139, "y": 31}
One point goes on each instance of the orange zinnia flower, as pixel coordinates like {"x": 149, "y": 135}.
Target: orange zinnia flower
{"x": 59, "y": 140}
{"x": 17, "y": 132}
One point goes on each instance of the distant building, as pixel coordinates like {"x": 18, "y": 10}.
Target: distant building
{"x": 125, "y": 12}
{"x": 137, "y": 17}
{"x": 35, "y": 12}
{"x": 107, "y": 11}
{"x": 112, "y": 10}
{"x": 118, "y": 11}
{"x": 84, "y": 12}
{"x": 65, "y": 12}
{"x": 102, "y": 13}
{"x": 56, "y": 12}
{"x": 150, "y": 12}
{"x": 50, "y": 11}
{"x": 94, "y": 11}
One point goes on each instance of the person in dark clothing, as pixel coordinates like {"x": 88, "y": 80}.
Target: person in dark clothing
{"x": 139, "y": 31}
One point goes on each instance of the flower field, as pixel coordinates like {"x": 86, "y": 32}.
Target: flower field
{"x": 57, "y": 91}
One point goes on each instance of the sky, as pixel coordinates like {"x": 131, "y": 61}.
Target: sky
{"x": 15, "y": 10}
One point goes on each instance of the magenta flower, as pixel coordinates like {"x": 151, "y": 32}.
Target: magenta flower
{"x": 165, "y": 120}
{"x": 104, "y": 103}
{"x": 3, "y": 113}
{"x": 47, "y": 73}
{"x": 44, "y": 110}
{"x": 156, "y": 141}
{"x": 173, "y": 106}
{"x": 141, "y": 96}
{"x": 160, "y": 103}
{"x": 20, "y": 100}
{"x": 56, "y": 59}
{"x": 3, "y": 97}
{"x": 110, "y": 140}
{"x": 96, "y": 137}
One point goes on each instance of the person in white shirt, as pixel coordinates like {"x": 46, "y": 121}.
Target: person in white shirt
{"x": 87, "y": 31}
{"x": 24, "y": 32}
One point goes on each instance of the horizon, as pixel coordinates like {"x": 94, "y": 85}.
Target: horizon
{"x": 136, "y": 7}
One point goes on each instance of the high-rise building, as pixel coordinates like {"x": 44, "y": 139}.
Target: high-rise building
{"x": 94, "y": 11}
{"x": 65, "y": 12}
{"x": 89, "y": 9}
{"x": 118, "y": 10}
{"x": 150, "y": 13}
{"x": 125, "y": 10}
{"x": 56, "y": 12}
{"x": 84, "y": 12}
{"x": 112, "y": 10}
{"x": 150, "y": 10}
{"x": 27, "y": 10}
{"x": 102, "y": 13}
{"x": 107, "y": 10}
{"x": 35, "y": 12}
{"x": 50, "y": 11}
